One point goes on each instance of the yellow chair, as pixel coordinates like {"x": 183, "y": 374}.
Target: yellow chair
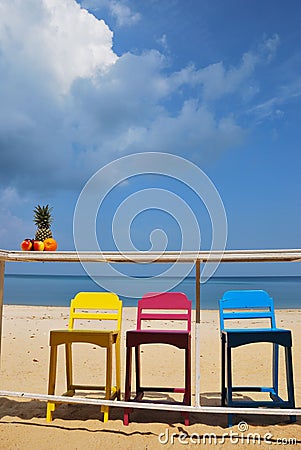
{"x": 106, "y": 306}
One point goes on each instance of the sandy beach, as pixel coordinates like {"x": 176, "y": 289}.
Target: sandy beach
{"x": 24, "y": 367}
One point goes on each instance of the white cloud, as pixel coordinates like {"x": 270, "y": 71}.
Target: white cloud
{"x": 217, "y": 80}
{"x": 269, "y": 47}
{"x": 44, "y": 47}
{"x": 56, "y": 39}
{"x": 12, "y": 228}
{"x": 9, "y": 196}
{"x": 271, "y": 107}
{"x": 110, "y": 105}
{"x": 205, "y": 135}
{"x": 163, "y": 42}
{"x": 123, "y": 14}
{"x": 119, "y": 9}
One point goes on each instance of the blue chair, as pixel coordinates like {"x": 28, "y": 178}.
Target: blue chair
{"x": 249, "y": 305}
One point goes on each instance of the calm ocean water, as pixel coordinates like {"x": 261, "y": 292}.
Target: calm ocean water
{"x": 57, "y": 290}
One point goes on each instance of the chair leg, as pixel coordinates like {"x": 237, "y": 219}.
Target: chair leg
{"x": 187, "y": 395}
{"x": 105, "y": 409}
{"x": 230, "y": 420}
{"x": 229, "y": 384}
{"x": 290, "y": 380}
{"x": 51, "y": 381}
{"x": 223, "y": 377}
{"x": 186, "y": 419}
{"x": 137, "y": 368}
{"x": 68, "y": 352}
{"x": 118, "y": 368}
{"x": 128, "y": 382}
{"x": 276, "y": 368}
{"x": 49, "y": 411}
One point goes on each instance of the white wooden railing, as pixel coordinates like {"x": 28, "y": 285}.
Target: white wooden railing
{"x": 195, "y": 257}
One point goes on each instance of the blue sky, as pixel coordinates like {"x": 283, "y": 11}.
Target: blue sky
{"x": 83, "y": 83}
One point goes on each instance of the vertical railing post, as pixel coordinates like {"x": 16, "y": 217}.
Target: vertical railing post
{"x": 197, "y": 331}
{"x": 2, "y": 266}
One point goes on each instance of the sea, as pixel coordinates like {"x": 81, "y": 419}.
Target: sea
{"x": 57, "y": 290}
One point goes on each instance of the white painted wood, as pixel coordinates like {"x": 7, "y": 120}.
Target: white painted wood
{"x": 161, "y": 406}
{"x": 155, "y": 257}
{"x": 197, "y": 364}
{"x": 197, "y": 338}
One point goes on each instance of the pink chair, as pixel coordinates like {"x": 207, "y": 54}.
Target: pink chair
{"x": 169, "y": 306}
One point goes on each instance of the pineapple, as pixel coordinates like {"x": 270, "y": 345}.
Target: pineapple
{"x": 43, "y": 220}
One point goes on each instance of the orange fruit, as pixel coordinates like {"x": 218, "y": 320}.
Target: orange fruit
{"x": 50, "y": 245}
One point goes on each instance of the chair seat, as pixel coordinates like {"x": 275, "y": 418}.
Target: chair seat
{"x": 102, "y": 338}
{"x": 237, "y": 337}
{"x": 178, "y": 338}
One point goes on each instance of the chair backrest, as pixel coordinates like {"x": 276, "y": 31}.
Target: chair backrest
{"x": 171, "y": 306}
{"x": 246, "y": 304}
{"x": 96, "y": 306}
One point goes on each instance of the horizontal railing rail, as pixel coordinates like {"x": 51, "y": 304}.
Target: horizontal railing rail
{"x": 282, "y": 255}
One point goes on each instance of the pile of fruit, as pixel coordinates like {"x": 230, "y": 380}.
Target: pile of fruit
{"x": 43, "y": 239}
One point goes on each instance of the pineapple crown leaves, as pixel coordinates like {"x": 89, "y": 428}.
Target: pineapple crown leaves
{"x": 42, "y": 216}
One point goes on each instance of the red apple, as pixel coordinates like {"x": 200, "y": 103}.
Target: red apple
{"x": 38, "y": 245}
{"x": 26, "y": 245}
